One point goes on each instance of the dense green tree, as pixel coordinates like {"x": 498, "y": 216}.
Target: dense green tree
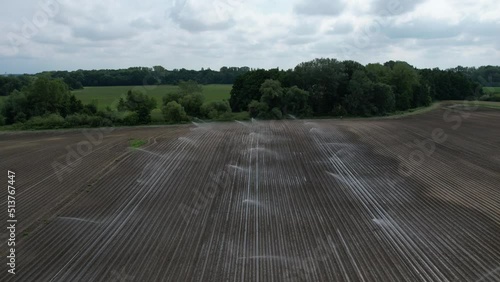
{"x": 171, "y": 97}
{"x": 295, "y": 102}
{"x": 215, "y": 109}
{"x": 192, "y": 103}
{"x": 43, "y": 103}
{"x": 357, "y": 101}
{"x": 247, "y": 87}
{"x": 384, "y": 99}
{"x": 189, "y": 95}
{"x": 74, "y": 105}
{"x": 90, "y": 109}
{"x": 139, "y": 103}
{"x": 258, "y": 109}
{"x": 324, "y": 79}
{"x": 47, "y": 96}
{"x": 450, "y": 85}
{"x": 15, "y": 107}
{"x": 271, "y": 93}
{"x": 421, "y": 95}
{"x": 276, "y": 113}
{"x": 174, "y": 112}
{"x": 404, "y": 78}
{"x": 379, "y": 73}
{"x": 350, "y": 67}
{"x": 10, "y": 83}
{"x": 122, "y": 106}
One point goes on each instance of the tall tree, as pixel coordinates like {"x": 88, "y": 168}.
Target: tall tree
{"x": 404, "y": 78}
{"x": 271, "y": 93}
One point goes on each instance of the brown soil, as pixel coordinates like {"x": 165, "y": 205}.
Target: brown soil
{"x": 296, "y": 200}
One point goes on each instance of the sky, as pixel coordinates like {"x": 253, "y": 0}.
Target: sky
{"x": 39, "y": 35}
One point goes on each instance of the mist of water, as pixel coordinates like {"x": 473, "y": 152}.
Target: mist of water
{"x": 79, "y": 219}
{"x": 238, "y": 168}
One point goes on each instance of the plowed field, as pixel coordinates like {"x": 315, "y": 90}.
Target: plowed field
{"x": 409, "y": 199}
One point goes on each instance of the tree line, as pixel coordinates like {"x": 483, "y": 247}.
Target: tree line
{"x": 156, "y": 75}
{"x": 488, "y": 76}
{"x": 328, "y": 87}
{"x": 321, "y": 87}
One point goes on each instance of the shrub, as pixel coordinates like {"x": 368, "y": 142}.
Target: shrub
{"x": 339, "y": 111}
{"x": 97, "y": 121}
{"x": 277, "y": 114}
{"x": 51, "y": 121}
{"x": 54, "y": 121}
{"x": 77, "y": 120}
{"x": 174, "y": 112}
{"x": 131, "y": 118}
{"x": 215, "y": 109}
{"x": 192, "y": 103}
{"x": 172, "y": 97}
{"x": 20, "y": 117}
{"x": 90, "y": 109}
{"x": 258, "y": 109}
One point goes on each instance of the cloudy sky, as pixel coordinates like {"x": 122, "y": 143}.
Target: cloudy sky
{"x": 42, "y": 35}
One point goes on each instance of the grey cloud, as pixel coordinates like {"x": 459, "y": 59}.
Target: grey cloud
{"x": 488, "y": 29}
{"x": 328, "y": 47}
{"x": 193, "y": 25}
{"x": 303, "y": 28}
{"x": 423, "y": 30}
{"x": 434, "y": 29}
{"x": 142, "y": 23}
{"x": 299, "y": 40}
{"x": 393, "y": 7}
{"x": 102, "y": 33}
{"x": 458, "y": 42}
{"x": 341, "y": 28}
{"x": 75, "y": 13}
{"x": 320, "y": 7}
{"x": 188, "y": 17}
{"x": 50, "y": 40}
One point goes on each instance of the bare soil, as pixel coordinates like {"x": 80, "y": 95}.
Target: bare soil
{"x": 327, "y": 200}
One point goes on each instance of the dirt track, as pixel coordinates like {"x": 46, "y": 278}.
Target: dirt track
{"x": 326, "y": 200}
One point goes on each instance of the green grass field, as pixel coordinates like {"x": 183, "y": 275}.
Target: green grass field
{"x": 495, "y": 91}
{"x": 106, "y": 96}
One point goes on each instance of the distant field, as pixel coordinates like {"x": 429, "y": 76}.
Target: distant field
{"x": 106, "y": 96}
{"x": 492, "y": 90}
